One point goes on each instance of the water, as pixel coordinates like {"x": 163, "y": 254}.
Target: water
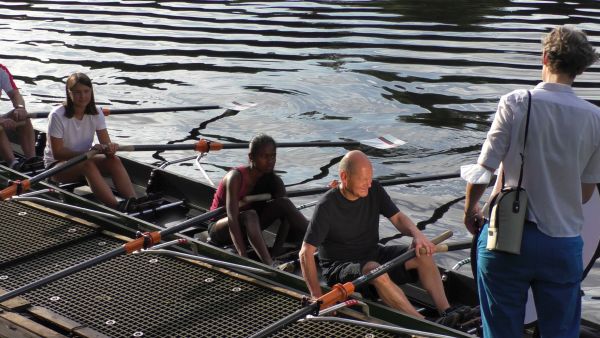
{"x": 429, "y": 72}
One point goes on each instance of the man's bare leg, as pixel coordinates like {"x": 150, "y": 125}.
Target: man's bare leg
{"x": 6, "y": 152}
{"x": 430, "y": 278}
{"x": 27, "y": 139}
{"x": 390, "y": 293}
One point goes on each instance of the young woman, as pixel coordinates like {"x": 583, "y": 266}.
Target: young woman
{"x": 71, "y": 131}
{"x": 248, "y": 222}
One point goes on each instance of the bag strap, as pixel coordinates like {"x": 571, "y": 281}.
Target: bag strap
{"x": 525, "y": 140}
{"x": 516, "y": 203}
{"x": 524, "y": 143}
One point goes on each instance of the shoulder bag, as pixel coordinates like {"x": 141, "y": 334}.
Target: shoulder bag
{"x": 508, "y": 209}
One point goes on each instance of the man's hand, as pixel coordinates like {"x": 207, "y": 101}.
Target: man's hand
{"x": 333, "y": 184}
{"x": 19, "y": 114}
{"x": 7, "y": 123}
{"x": 473, "y": 219}
{"x": 420, "y": 241}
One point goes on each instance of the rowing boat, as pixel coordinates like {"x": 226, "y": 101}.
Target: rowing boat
{"x": 69, "y": 306}
{"x": 179, "y": 198}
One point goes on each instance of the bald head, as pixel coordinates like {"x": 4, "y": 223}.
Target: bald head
{"x": 354, "y": 160}
{"x": 356, "y": 174}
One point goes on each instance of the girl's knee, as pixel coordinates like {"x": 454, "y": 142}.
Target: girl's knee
{"x": 249, "y": 215}
{"x": 89, "y": 167}
{"x": 250, "y": 219}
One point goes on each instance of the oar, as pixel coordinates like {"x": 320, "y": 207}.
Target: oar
{"x": 340, "y": 292}
{"x": 204, "y": 146}
{"x": 144, "y": 241}
{"x": 19, "y": 186}
{"x": 395, "y": 181}
{"x": 108, "y": 111}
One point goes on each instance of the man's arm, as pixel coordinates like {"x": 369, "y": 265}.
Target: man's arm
{"x": 16, "y": 98}
{"x": 19, "y": 113}
{"x": 406, "y": 226}
{"x": 473, "y": 217}
{"x": 309, "y": 269}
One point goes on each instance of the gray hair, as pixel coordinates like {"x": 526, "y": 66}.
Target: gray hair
{"x": 568, "y": 50}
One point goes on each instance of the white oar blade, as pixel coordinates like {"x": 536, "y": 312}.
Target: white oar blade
{"x": 241, "y": 106}
{"x": 383, "y": 142}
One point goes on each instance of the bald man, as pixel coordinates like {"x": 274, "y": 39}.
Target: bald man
{"x": 345, "y": 229}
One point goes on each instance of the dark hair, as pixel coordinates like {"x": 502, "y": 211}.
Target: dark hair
{"x": 72, "y": 81}
{"x": 260, "y": 141}
{"x": 568, "y": 50}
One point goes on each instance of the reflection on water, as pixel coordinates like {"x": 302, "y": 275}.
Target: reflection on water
{"x": 429, "y": 72}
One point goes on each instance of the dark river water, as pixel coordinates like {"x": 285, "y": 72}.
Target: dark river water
{"x": 429, "y": 72}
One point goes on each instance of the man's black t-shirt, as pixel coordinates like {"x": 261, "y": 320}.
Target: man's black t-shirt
{"x": 346, "y": 230}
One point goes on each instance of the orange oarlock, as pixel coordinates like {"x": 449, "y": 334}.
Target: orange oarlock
{"x": 338, "y": 293}
{"x": 14, "y": 189}
{"x": 204, "y": 146}
{"x": 144, "y": 241}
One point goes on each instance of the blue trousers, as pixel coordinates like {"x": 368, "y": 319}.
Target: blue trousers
{"x": 551, "y": 266}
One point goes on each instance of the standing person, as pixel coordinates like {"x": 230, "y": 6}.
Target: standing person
{"x": 561, "y": 168}
{"x": 345, "y": 229}
{"x": 241, "y": 223}
{"x": 71, "y": 130}
{"x": 9, "y": 122}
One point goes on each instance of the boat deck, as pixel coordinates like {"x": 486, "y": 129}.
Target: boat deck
{"x": 139, "y": 295}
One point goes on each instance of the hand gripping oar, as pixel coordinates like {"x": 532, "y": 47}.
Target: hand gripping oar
{"x": 340, "y": 292}
{"x": 204, "y": 146}
{"x": 395, "y": 181}
{"x": 19, "y": 186}
{"x": 144, "y": 241}
{"x": 108, "y": 111}
{"x": 17, "y": 124}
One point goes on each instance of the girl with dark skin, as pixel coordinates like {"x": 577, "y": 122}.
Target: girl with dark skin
{"x": 257, "y": 177}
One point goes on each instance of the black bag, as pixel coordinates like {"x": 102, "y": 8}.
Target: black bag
{"x": 508, "y": 209}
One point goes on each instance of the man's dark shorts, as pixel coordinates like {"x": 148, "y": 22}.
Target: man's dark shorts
{"x": 342, "y": 272}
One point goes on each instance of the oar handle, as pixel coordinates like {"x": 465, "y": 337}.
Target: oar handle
{"x": 255, "y": 198}
{"x": 442, "y": 237}
{"x": 38, "y": 115}
{"x": 449, "y": 247}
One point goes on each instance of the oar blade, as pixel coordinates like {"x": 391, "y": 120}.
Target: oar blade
{"x": 241, "y": 106}
{"x": 383, "y": 142}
